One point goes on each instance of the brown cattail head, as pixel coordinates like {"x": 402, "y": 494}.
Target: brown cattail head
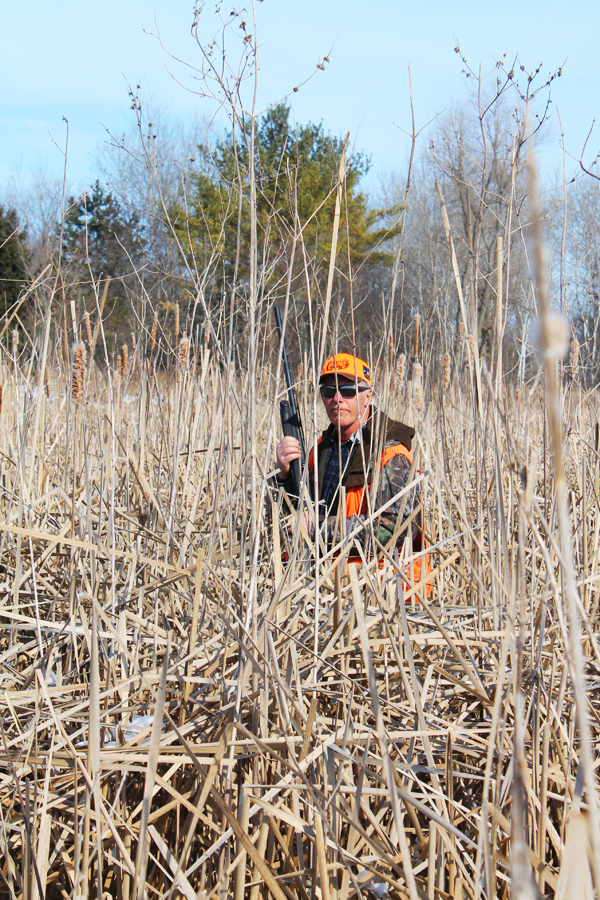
{"x": 471, "y": 353}
{"x": 400, "y": 370}
{"x": 88, "y": 328}
{"x": 206, "y": 333}
{"x": 416, "y": 347}
{"x": 15, "y": 342}
{"x": 417, "y": 373}
{"x": 47, "y": 381}
{"x": 574, "y": 355}
{"x": 124, "y": 359}
{"x": 461, "y": 331}
{"x": 132, "y": 341}
{"x": 446, "y": 372}
{"x": 153, "y": 338}
{"x": 78, "y": 376}
{"x": 184, "y": 349}
{"x": 176, "y": 320}
{"x": 391, "y": 347}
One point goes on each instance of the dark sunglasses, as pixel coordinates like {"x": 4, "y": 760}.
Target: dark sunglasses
{"x": 344, "y": 390}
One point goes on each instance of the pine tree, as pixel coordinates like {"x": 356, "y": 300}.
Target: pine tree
{"x": 13, "y": 258}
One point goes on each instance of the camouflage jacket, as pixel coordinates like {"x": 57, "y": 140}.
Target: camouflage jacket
{"x": 379, "y": 434}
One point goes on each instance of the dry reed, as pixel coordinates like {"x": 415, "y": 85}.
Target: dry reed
{"x": 272, "y": 769}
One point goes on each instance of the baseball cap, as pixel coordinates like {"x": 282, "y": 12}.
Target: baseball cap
{"x": 347, "y": 365}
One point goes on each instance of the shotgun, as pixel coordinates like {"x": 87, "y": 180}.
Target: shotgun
{"x": 290, "y": 414}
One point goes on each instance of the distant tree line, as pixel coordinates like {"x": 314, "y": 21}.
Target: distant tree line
{"x": 171, "y": 225}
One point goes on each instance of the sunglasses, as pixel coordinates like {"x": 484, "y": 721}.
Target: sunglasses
{"x": 328, "y": 391}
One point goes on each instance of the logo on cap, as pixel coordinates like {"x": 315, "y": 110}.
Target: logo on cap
{"x": 337, "y": 364}
{"x": 366, "y": 371}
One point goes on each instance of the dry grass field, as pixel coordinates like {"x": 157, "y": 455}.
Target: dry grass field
{"x": 189, "y": 708}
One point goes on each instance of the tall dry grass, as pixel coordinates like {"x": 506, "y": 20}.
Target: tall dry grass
{"x": 189, "y": 709}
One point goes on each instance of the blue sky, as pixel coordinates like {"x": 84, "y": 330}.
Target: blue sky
{"x": 73, "y": 58}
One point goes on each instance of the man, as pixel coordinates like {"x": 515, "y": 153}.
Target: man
{"x": 357, "y": 443}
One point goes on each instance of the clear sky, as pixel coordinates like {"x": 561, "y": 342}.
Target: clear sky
{"x": 74, "y": 58}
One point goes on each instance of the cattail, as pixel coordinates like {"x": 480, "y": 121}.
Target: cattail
{"x": 417, "y": 373}
{"x": 77, "y": 379}
{"x": 15, "y": 342}
{"x": 446, "y": 372}
{"x": 184, "y": 348}
{"x": 391, "y": 347}
{"x": 132, "y": 341}
{"x": 124, "y": 359}
{"x": 119, "y": 365}
{"x": 574, "y": 355}
{"x": 206, "y": 333}
{"x": 153, "y": 338}
{"x": 461, "y": 331}
{"x": 176, "y": 320}
{"x": 400, "y": 370}
{"x": 416, "y": 347}
{"x": 471, "y": 353}
{"x": 551, "y": 335}
{"x": 46, "y": 381}
{"x": 88, "y": 328}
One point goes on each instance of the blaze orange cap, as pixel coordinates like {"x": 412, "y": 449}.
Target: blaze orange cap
{"x": 347, "y": 365}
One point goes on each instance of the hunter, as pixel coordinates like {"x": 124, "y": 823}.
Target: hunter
{"x": 358, "y": 439}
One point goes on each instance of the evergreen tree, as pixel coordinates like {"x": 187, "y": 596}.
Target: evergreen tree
{"x": 296, "y": 175}
{"x": 13, "y": 258}
{"x": 101, "y": 239}
{"x": 99, "y": 235}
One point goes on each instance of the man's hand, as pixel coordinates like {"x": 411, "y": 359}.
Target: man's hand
{"x": 288, "y": 449}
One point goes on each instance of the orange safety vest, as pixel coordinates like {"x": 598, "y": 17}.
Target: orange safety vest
{"x": 356, "y": 505}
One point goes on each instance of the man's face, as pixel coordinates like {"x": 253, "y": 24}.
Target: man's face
{"x": 346, "y": 414}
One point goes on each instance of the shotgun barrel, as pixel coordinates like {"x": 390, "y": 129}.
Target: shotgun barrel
{"x": 291, "y": 422}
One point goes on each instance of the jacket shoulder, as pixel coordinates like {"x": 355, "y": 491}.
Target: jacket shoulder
{"x": 398, "y": 433}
